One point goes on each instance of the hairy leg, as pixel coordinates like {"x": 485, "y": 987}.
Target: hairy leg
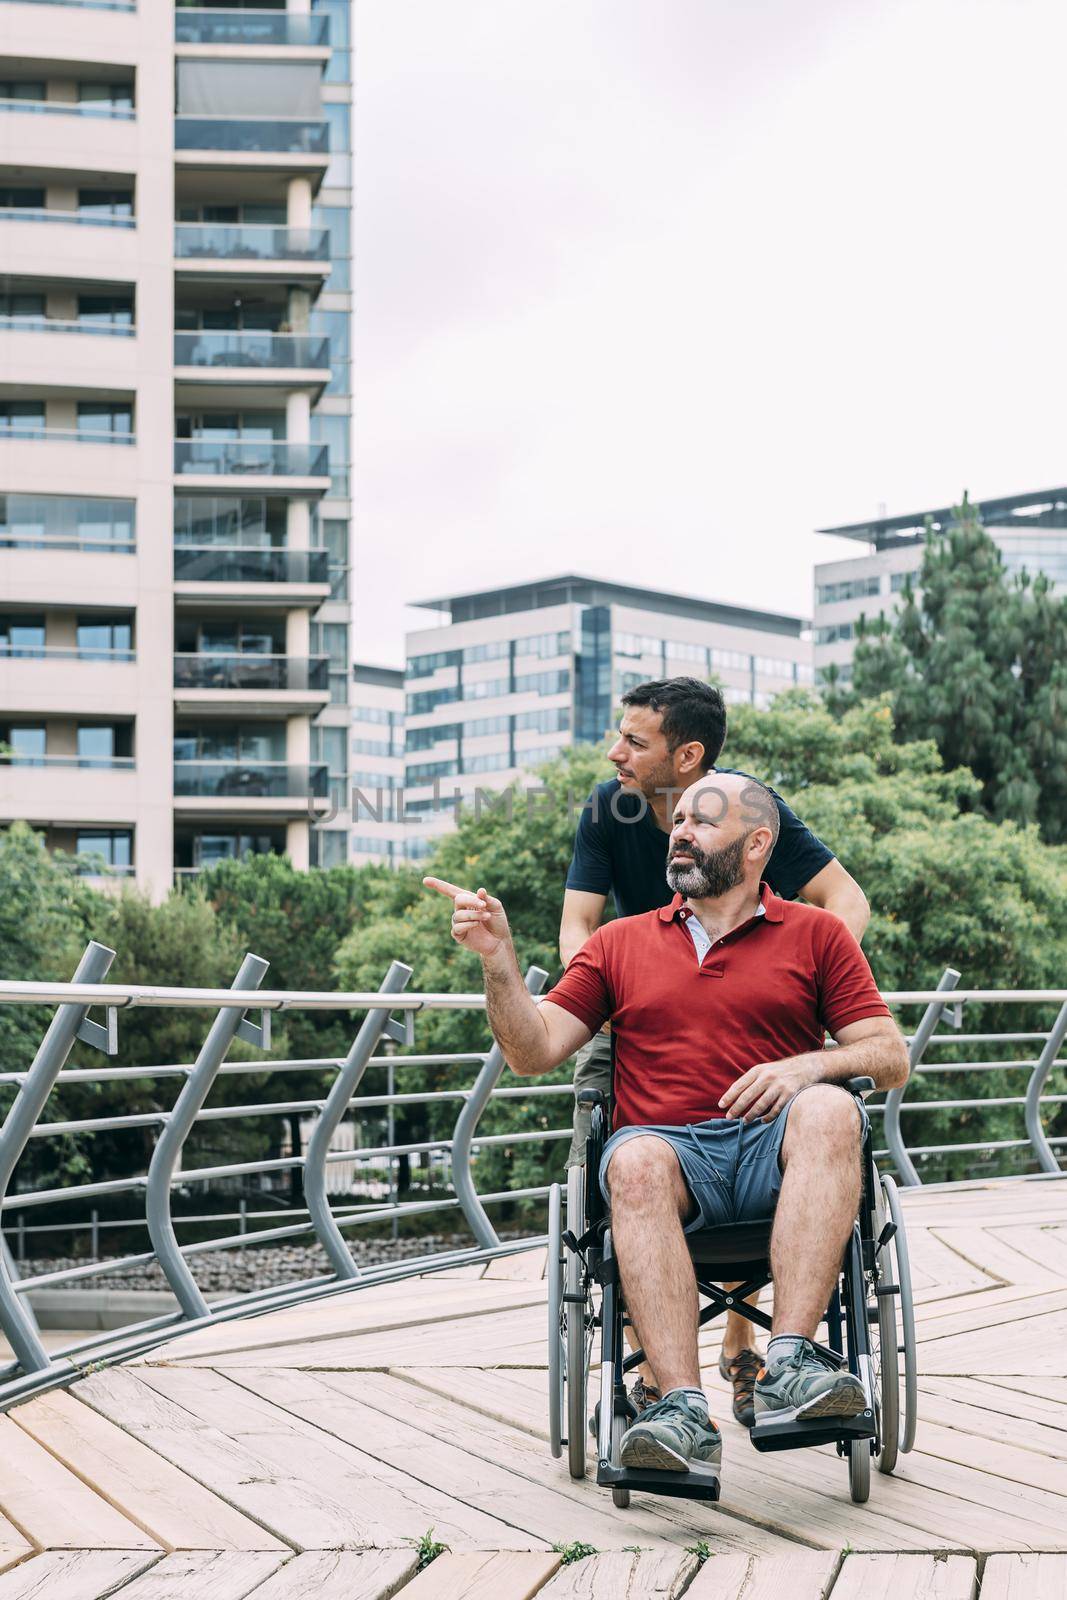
{"x": 816, "y": 1207}
{"x": 649, "y": 1201}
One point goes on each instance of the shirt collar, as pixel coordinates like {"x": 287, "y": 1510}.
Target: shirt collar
{"x": 770, "y": 906}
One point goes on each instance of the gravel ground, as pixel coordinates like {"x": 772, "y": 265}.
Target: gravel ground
{"x": 235, "y": 1271}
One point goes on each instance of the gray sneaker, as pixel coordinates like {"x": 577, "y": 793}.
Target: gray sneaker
{"x": 641, "y": 1396}
{"x": 810, "y": 1383}
{"x": 671, "y": 1436}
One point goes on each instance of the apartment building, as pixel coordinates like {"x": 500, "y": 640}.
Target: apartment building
{"x": 175, "y": 419}
{"x": 1030, "y": 530}
{"x": 509, "y": 677}
{"x": 377, "y": 764}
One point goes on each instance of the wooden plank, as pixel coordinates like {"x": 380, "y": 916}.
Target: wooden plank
{"x": 974, "y": 1421}
{"x": 341, "y": 1575}
{"x": 1025, "y": 1577}
{"x": 535, "y": 1502}
{"x": 644, "y": 1575}
{"x": 1002, "y": 1350}
{"x": 1045, "y": 1243}
{"x": 499, "y": 1575}
{"x": 207, "y": 1574}
{"x": 73, "y": 1574}
{"x": 1011, "y": 1398}
{"x": 302, "y": 1513}
{"x": 171, "y": 1507}
{"x": 390, "y": 1504}
{"x": 415, "y": 1302}
{"x": 907, "y": 1577}
{"x": 53, "y": 1508}
{"x": 528, "y": 1265}
{"x": 805, "y": 1575}
{"x": 12, "y": 1554}
{"x": 983, "y": 1248}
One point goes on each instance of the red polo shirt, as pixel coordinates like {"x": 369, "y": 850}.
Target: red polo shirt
{"x": 684, "y": 1031}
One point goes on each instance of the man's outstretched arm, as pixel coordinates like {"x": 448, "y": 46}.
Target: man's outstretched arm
{"x": 533, "y": 1038}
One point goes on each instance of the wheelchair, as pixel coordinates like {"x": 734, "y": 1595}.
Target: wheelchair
{"x": 869, "y": 1321}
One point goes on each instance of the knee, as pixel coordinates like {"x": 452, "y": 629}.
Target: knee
{"x": 642, "y": 1168}
{"x": 823, "y": 1112}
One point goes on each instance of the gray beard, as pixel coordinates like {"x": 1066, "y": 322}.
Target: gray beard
{"x": 710, "y": 875}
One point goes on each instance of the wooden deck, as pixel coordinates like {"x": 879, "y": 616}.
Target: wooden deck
{"x": 304, "y": 1453}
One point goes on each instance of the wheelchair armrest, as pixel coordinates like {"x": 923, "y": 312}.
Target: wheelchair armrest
{"x": 595, "y": 1097}
{"x": 859, "y": 1085}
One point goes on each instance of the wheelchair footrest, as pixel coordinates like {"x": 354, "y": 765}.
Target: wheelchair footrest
{"x": 784, "y": 1430}
{"x": 699, "y": 1483}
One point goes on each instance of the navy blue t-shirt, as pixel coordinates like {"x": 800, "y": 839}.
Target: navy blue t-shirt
{"x": 618, "y": 850}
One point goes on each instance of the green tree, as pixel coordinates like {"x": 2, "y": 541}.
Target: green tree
{"x": 976, "y": 660}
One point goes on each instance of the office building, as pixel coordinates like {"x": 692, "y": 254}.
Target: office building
{"x": 1029, "y": 529}
{"x": 175, "y": 418}
{"x": 509, "y": 677}
{"x": 377, "y": 764}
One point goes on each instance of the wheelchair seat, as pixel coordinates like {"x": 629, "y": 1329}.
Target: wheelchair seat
{"x": 744, "y": 1247}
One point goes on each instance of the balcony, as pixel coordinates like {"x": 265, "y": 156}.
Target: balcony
{"x": 253, "y": 684}
{"x": 68, "y": 108}
{"x": 86, "y": 219}
{"x": 251, "y": 671}
{"x": 32, "y": 431}
{"x": 197, "y": 565}
{"x": 210, "y": 241}
{"x": 296, "y": 136}
{"x": 246, "y": 362}
{"x": 112, "y": 330}
{"x": 105, "y": 763}
{"x": 301, "y": 467}
{"x": 252, "y": 788}
{"x": 251, "y": 28}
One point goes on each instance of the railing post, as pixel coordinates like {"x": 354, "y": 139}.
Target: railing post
{"x": 1038, "y": 1078}
{"x": 909, "y": 1178}
{"x": 189, "y": 1103}
{"x": 467, "y": 1122}
{"x": 344, "y": 1086}
{"x": 37, "y": 1085}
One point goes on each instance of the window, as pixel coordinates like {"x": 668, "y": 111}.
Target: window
{"x": 544, "y": 644}
{"x": 846, "y": 589}
{"x": 492, "y": 650}
{"x": 486, "y": 689}
{"x": 105, "y": 202}
{"x": 424, "y": 666}
{"x": 21, "y": 303}
{"x": 339, "y": 171}
{"x": 20, "y": 197}
{"x": 28, "y": 745}
{"x": 554, "y": 719}
{"x": 96, "y": 745}
{"x": 336, "y": 221}
{"x": 495, "y": 761}
{"x": 427, "y": 771}
{"x": 22, "y": 634}
{"x": 367, "y": 844}
{"x": 773, "y": 667}
{"x": 110, "y": 310}
{"x": 899, "y": 580}
{"x": 380, "y": 715}
{"x": 332, "y": 846}
{"x": 108, "y": 96}
{"x": 106, "y": 417}
{"x": 24, "y": 417}
{"x": 333, "y": 430}
{"x": 428, "y": 699}
{"x": 101, "y": 638}
{"x": 335, "y": 325}
{"x": 834, "y": 633}
{"x": 637, "y": 644}
{"x": 731, "y": 660}
{"x": 481, "y": 726}
{"x": 251, "y": 742}
{"x": 424, "y": 738}
{"x": 114, "y": 845}
{"x": 544, "y": 682}
{"x": 22, "y": 89}
{"x": 678, "y": 650}
{"x": 363, "y": 778}
{"x": 335, "y": 538}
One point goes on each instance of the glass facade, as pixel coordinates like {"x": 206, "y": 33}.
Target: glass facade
{"x": 593, "y": 699}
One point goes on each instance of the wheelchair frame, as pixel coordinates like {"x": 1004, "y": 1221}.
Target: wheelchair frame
{"x": 872, "y": 1296}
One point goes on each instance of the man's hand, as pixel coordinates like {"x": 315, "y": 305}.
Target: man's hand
{"x": 764, "y": 1090}
{"x": 478, "y": 920}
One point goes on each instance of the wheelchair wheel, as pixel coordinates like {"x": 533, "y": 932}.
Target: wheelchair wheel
{"x": 859, "y": 1470}
{"x": 901, "y": 1268}
{"x": 555, "y": 1320}
{"x": 577, "y": 1323}
{"x": 885, "y": 1349}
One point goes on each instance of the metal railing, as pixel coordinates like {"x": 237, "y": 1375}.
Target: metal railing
{"x": 388, "y": 1022}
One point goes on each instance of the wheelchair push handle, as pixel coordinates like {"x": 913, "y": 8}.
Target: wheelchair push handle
{"x": 595, "y": 1097}
{"x": 859, "y": 1085}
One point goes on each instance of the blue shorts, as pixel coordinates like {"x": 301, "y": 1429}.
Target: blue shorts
{"x": 731, "y": 1167}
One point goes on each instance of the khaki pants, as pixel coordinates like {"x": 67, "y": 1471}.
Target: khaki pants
{"x": 592, "y": 1070}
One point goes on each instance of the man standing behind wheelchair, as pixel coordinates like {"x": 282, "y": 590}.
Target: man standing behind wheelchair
{"x": 670, "y": 733}
{"x": 727, "y": 1107}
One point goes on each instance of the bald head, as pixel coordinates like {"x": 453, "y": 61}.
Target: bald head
{"x": 724, "y": 829}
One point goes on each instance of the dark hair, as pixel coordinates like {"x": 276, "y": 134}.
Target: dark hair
{"x": 693, "y": 712}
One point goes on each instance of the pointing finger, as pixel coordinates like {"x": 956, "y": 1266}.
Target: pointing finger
{"x": 444, "y": 887}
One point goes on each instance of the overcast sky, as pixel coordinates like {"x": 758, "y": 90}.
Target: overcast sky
{"x": 651, "y": 289}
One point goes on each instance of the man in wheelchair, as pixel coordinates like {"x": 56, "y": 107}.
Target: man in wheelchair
{"x": 727, "y": 1107}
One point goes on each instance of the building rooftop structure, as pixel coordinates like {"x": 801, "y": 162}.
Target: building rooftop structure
{"x": 1043, "y": 508}
{"x": 574, "y": 588}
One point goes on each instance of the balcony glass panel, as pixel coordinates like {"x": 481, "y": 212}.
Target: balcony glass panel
{"x": 250, "y": 350}
{"x": 69, "y": 108}
{"x": 269, "y": 458}
{"x": 48, "y": 214}
{"x": 250, "y": 670}
{"x": 65, "y": 522}
{"x": 255, "y": 242}
{"x": 210, "y": 564}
{"x": 18, "y": 324}
{"x": 263, "y": 779}
{"x": 290, "y": 135}
{"x": 249, "y": 27}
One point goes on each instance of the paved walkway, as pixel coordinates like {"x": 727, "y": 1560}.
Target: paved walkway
{"x": 306, "y": 1452}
